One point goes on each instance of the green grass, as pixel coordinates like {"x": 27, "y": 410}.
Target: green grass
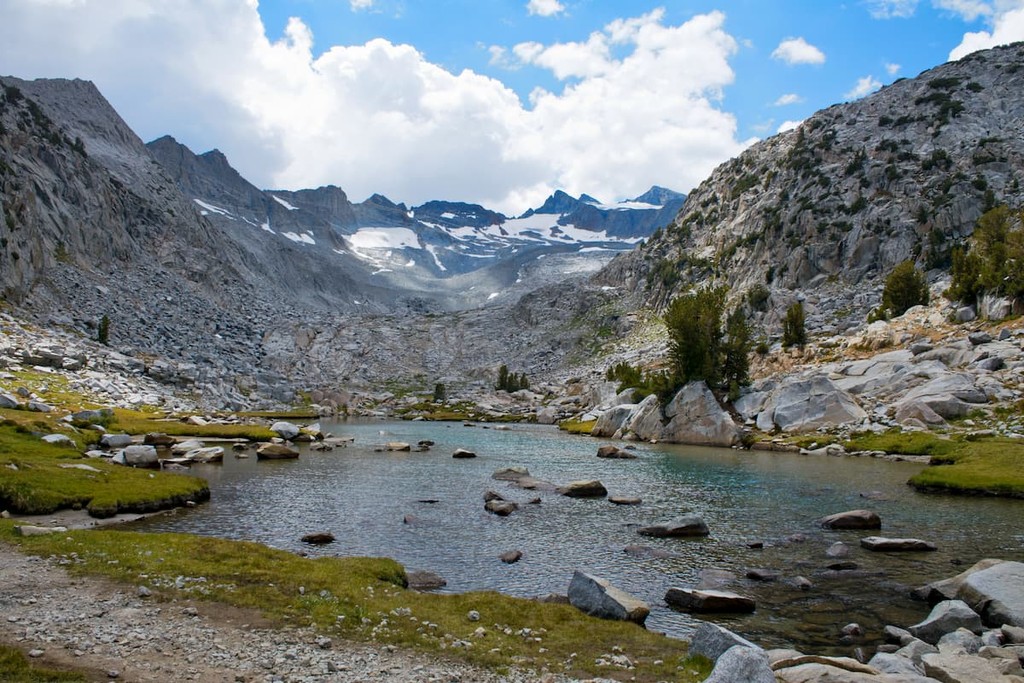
{"x": 577, "y": 426}
{"x": 40, "y": 485}
{"x": 14, "y": 668}
{"x": 903, "y": 443}
{"x": 991, "y": 467}
{"x": 364, "y": 599}
{"x": 987, "y": 466}
{"x": 134, "y": 422}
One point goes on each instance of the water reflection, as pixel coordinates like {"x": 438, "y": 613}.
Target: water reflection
{"x": 363, "y": 496}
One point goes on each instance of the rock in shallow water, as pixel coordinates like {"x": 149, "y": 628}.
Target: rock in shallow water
{"x": 888, "y": 545}
{"x": 687, "y": 525}
{"x": 852, "y": 519}
{"x": 598, "y": 598}
{"x": 693, "y": 600}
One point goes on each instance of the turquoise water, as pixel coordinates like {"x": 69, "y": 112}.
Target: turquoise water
{"x": 363, "y": 497}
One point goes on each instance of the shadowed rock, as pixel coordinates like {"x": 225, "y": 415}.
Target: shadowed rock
{"x": 598, "y": 598}
{"x": 852, "y": 519}
{"x": 694, "y": 600}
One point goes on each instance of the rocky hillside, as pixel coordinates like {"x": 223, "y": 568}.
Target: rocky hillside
{"x": 831, "y": 207}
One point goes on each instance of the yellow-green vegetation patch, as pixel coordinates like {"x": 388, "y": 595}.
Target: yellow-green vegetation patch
{"x": 51, "y": 387}
{"x": 134, "y": 422}
{"x": 577, "y": 426}
{"x": 963, "y": 464}
{"x": 14, "y": 668}
{"x": 364, "y": 599}
{"x": 40, "y": 478}
{"x": 991, "y": 467}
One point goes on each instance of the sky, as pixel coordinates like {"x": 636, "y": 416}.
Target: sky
{"x": 498, "y": 102}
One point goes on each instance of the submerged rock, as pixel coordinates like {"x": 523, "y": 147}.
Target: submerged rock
{"x": 889, "y": 545}
{"x": 318, "y": 538}
{"x": 852, "y": 519}
{"x": 687, "y": 525}
{"x": 695, "y": 600}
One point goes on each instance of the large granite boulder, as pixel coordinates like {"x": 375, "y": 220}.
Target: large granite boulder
{"x": 949, "y": 396}
{"x": 944, "y": 618}
{"x": 115, "y": 440}
{"x": 598, "y": 598}
{"x": 947, "y": 589}
{"x": 804, "y": 405}
{"x": 8, "y": 401}
{"x": 286, "y": 430}
{"x": 646, "y": 420}
{"x": 712, "y": 641}
{"x": 996, "y": 593}
{"x": 960, "y": 669}
{"x": 611, "y": 420}
{"x": 687, "y": 525}
{"x": 695, "y": 417}
{"x": 141, "y": 456}
{"x": 740, "y": 663}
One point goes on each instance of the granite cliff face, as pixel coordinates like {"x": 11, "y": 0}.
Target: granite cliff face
{"x": 831, "y": 207}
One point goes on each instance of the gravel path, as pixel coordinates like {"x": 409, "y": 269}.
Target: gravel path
{"x": 110, "y": 632}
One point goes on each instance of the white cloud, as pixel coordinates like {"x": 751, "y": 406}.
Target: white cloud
{"x": 545, "y": 8}
{"x": 892, "y": 9}
{"x": 1007, "y": 27}
{"x": 892, "y": 68}
{"x": 380, "y": 117}
{"x": 798, "y": 51}
{"x": 788, "y": 125}
{"x": 360, "y": 4}
{"x": 865, "y": 86}
{"x": 787, "y": 99}
{"x": 968, "y": 10}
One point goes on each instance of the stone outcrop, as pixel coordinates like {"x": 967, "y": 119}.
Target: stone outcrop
{"x": 740, "y": 663}
{"x": 598, "y": 598}
{"x": 697, "y": 600}
{"x": 996, "y": 593}
{"x": 804, "y": 405}
{"x": 944, "y": 618}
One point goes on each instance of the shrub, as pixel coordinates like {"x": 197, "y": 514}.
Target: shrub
{"x": 511, "y": 382}
{"x": 993, "y": 261}
{"x": 439, "y": 393}
{"x": 103, "y": 331}
{"x": 793, "y": 330}
{"x": 904, "y": 288}
{"x": 695, "y": 334}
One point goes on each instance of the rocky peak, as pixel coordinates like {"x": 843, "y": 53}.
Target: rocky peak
{"x": 658, "y": 196}
{"x": 855, "y": 190}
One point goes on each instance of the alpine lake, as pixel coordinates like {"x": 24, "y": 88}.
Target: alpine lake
{"x": 426, "y": 510}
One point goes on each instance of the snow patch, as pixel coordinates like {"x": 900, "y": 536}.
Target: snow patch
{"x": 266, "y": 226}
{"x": 304, "y": 238}
{"x": 285, "y": 204}
{"x": 210, "y": 208}
{"x": 493, "y": 295}
{"x": 383, "y": 238}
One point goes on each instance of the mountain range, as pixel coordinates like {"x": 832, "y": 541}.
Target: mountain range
{"x": 258, "y": 292}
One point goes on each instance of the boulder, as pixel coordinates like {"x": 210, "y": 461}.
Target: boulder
{"x": 37, "y": 406}
{"x": 318, "y": 538}
{"x": 951, "y": 395}
{"x": 30, "y": 530}
{"x": 612, "y": 420}
{"x": 696, "y": 600}
{"x": 960, "y": 669}
{"x": 158, "y": 439}
{"x": 687, "y": 525}
{"x": 511, "y": 474}
{"x": 184, "y": 447}
{"x": 141, "y": 456}
{"x": 712, "y": 641}
{"x": 695, "y": 417}
{"x": 997, "y": 593}
{"x": 511, "y": 557}
{"x": 286, "y": 430}
{"x": 615, "y": 453}
{"x": 852, "y": 519}
{"x": 111, "y": 441}
{"x": 463, "y": 454}
{"x": 947, "y": 589}
{"x": 8, "y": 401}
{"x": 806, "y": 404}
{"x": 586, "y": 488}
{"x": 960, "y": 641}
{"x": 645, "y": 422}
{"x": 59, "y": 440}
{"x": 210, "y": 454}
{"x": 424, "y": 581}
{"x": 918, "y": 410}
{"x": 547, "y": 415}
{"x": 894, "y": 664}
{"x": 624, "y": 500}
{"x": 740, "y": 663}
{"x": 276, "y": 451}
{"x": 397, "y": 446}
{"x": 92, "y": 416}
{"x": 889, "y": 545}
{"x": 502, "y": 508}
{"x": 598, "y": 598}
{"x": 823, "y": 673}
{"x": 944, "y": 618}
